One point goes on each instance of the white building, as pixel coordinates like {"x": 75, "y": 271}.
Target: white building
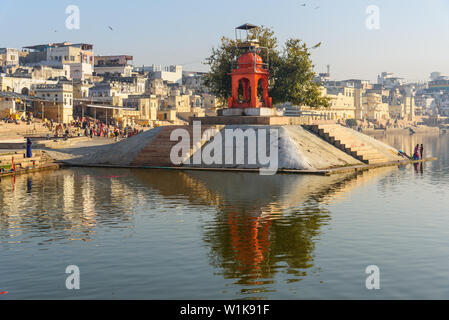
{"x": 388, "y": 80}
{"x": 123, "y": 88}
{"x": 114, "y": 65}
{"x": 171, "y": 74}
{"x": 58, "y": 54}
{"x": 437, "y": 76}
{"x": 21, "y": 85}
{"x": 60, "y": 93}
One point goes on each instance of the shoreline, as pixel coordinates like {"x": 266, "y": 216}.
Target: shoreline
{"x": 66, "y": 153}
{"x": 322, "y": 172}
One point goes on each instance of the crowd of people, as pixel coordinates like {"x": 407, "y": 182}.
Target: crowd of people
{"x": 10, "y": 119}
{"x": 91, "y": 128}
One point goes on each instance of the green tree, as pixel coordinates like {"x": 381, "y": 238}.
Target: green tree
{"x": 291, "y": 70}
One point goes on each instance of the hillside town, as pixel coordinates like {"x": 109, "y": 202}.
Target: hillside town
{"x": 66, "y": 83}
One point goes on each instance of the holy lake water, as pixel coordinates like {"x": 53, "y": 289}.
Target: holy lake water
{"x": 153, "y": 234}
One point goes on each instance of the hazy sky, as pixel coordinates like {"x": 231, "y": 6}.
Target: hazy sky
{"x": 412, "y": 40}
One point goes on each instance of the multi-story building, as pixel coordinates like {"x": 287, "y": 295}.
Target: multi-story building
{"x": 45, "y": 72}
{"x": 171, "y": 74}
{"x": 118, "y": 86}
{"x": 113, "y": 65}
{"x": 58, "y": 54}
{"x": 342, "y": 100}
{"x": 157, "y": 87}
{"x": 388, "y": 80}
{"x": 181, "y": 102}
{"x": 81, "y": 89}
{"x": 22, "y": 84}
{"x": 146, "y": 105}
{"x": 61, "y": 95}
{"x": 374, "y": 108}
{"x": 194, "y": 81}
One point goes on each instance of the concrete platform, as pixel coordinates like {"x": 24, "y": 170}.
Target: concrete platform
{"x": 322, "y": 172}
{"x": 294, "y": 149}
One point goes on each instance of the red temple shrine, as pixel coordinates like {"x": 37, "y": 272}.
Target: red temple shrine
{"x": 250, "y": 77}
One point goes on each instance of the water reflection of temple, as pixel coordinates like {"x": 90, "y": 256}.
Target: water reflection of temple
{"x": 263, "y": 223}
{"x": 254, "y": 226}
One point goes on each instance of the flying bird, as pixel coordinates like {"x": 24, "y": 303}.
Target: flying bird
{"x": 110, "y": 28}
{"x": 317, "y": 45}
{"x": 303, "y": 5}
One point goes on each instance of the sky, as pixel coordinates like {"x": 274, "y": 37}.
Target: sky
{"x": 410, "y": 41}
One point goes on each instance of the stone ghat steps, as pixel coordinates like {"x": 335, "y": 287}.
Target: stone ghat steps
{"x": 20, "y": 160}
{"x": 157, "y": 152}
{"x": 341, "y": 138}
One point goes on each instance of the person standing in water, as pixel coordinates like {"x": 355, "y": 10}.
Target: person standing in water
{"x": 421, "y": 151}
{"x": 416, "y": 153}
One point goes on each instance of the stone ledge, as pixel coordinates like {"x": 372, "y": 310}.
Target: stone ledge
{"x": 257, "y": 120}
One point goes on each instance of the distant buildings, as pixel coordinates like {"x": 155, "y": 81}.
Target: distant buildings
{"x": 390, "y": 99}
{"x": 171, "y": 74}
{"x": 118, "y": 87}
{"x": 113, "y": 65}
{"x": 58, "y": 54}
{"x": 67, "y": 81}
{"x": 388, "y": 80}
{"x": 21, "y": 84}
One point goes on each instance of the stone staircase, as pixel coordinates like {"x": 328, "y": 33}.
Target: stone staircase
{"x": 342, "y": 138}
{"x": 157, "y": 152}
{"x": 18, "y": 160}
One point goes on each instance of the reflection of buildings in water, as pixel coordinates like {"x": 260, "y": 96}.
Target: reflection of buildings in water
{"x": 122, "y": 193}
{"x": 88, "y": 197}
{"x": 87, "y": 216}
{"x": 69, "y": 192}
{"x": 264, "y": 223}
{"x": 434, "y": 144}
{"x": 63, "y": 203}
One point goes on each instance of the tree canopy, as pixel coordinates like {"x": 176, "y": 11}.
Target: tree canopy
{"x": 290, "y": 67}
